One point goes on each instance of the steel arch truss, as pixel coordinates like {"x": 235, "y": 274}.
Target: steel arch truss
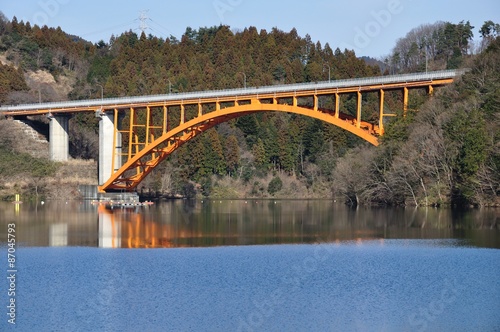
{"x": 143, "y": 157}
{"x": 152, "y": 133}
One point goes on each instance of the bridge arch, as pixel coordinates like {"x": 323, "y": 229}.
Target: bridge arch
{"x": 143, "y": 162}
{"x": 147, "y": 151}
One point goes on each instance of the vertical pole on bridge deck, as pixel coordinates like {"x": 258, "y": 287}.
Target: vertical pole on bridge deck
{"x": 405, "y": 100}
{"x": 358, "y": 113}
{"x": 381, "y": 112}
{"x": 337, "y": 105}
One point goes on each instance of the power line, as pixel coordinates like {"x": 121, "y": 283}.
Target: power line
{"x": 162, "y": 27}
{"x": 107, "y": 29}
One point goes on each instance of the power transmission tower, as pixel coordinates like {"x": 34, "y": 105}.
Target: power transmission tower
{"x": 143, "y": 17}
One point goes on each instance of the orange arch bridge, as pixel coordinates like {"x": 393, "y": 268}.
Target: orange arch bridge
{"x": 158, "y": 125}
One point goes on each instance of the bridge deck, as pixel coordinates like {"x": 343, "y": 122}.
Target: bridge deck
{"x": 393, "y": 81}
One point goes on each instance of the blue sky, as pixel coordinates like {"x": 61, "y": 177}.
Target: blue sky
{"x": 370, "y": 27}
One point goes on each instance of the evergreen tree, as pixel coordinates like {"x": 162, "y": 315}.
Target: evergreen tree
{"x": 232, "y": 154}
{"x": 259, "y": 151}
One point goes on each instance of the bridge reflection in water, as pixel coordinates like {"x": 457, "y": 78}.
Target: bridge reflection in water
{"x": 129, "y": 228}
{"x": 205, "y": 224}
{"x": 209, "y": 223}
{"x": 223, "y": 223}
{"x": 362, "y": 284}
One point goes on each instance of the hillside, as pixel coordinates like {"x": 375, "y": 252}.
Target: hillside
{"x": 270, "y": 155}
{"x": 446, "y": 153}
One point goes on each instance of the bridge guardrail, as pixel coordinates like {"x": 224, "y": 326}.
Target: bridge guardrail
{"x": 237, "y": 92}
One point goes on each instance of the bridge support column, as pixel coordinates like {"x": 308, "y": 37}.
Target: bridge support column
{"x": 358, "y": 111}
{"x": 58, "y": 137}
{"x": 337, "y": 105}
{"x": 110, "y": 145}
{"x": 405, "y": 100}
{"x": 381, "y": 112}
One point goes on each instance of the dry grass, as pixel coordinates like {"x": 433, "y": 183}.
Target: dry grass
{"x": 293, "y": 187}
{"x": 63, "y": 186}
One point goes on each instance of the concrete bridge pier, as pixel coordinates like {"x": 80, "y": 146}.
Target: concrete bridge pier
{"x": 108, "y": 143}
{"x": 58, "y": 137}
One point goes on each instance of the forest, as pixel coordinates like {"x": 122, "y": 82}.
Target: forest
{"x": 445, "y": 151}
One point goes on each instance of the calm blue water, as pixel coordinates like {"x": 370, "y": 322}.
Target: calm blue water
{"x": 391, "y": 285}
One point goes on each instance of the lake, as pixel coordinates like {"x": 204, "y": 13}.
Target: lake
{"x": 249, "y": 265}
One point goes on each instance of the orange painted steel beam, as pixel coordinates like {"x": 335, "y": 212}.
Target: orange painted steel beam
{"x": 358, "y": 110}
{"x": 115, "y": 134}
{"x": 337, "y": 105}
{"x": 165, "y": 119}
{"x": 405, "y": 100}
{"x": 381, "y": 111}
